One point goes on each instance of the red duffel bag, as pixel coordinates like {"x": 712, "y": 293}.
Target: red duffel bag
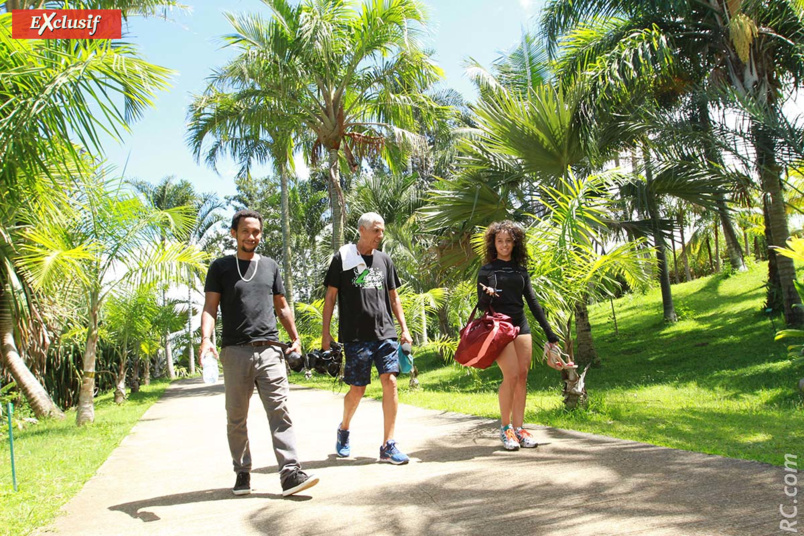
{"x": 484, "y": 338}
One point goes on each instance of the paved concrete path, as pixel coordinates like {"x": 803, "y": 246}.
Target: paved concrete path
{"x": 172, "y": 476}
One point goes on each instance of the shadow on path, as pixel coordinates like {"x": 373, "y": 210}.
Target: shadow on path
{"x": 140, "y": 509}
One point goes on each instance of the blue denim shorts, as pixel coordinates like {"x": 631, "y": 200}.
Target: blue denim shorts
{"x": 360, "y": 355}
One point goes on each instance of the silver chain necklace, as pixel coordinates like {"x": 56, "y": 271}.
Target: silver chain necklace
{"x": 256, "y": 265}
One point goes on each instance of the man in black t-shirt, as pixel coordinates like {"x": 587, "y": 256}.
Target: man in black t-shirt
{"x": 249, "y": 289}
{"x": 363, "y": 280}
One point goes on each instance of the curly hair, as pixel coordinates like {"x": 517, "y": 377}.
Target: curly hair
{"x": 243, "y": 214}
{"x": 520, "y": 252}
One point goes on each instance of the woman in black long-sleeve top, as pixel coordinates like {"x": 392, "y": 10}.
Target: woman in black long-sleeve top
{"x": 502, "y": 283}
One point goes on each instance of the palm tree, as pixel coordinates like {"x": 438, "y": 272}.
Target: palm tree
{"x": 166, "y": 195}
{"x": 206, "y": 217}
{"x": 128, "y": 315}
{"x": 751, "y": 46}
{"x": 244, "y": 125}
{"x": 38, "y": 398}
{"x": 351, "y": 74}
{"x": 527, "y": 136}
{"x": 108, "y": 239}
{"x": 631, "y": 81}
{"x": 570, "y": 264}
{"x": 51, "y": 92}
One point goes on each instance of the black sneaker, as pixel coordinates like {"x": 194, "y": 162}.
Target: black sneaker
{"x": 242, "y": 484}
{"x": 298, "y": 481}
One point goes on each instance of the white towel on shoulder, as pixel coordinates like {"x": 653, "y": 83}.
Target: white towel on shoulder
{"x": 350, "y": 258}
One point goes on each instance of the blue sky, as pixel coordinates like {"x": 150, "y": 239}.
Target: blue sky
{"x": 190, "y": 44}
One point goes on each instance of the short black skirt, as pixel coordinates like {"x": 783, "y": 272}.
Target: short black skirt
{"x": 522, "y": 321}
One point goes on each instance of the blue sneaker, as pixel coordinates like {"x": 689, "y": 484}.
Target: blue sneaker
{"x": 342, "y": 447}
{"x": 389, "y": 453}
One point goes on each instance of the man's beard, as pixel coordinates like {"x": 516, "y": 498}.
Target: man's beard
{"x": 245, "y": 249}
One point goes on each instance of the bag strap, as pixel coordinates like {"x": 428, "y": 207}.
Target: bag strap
{"x": 472, "y": 316}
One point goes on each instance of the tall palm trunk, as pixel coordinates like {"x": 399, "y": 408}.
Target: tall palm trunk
{"x": 717, "y": 247}
{"x": 713, "y": 157}
{"x": 443, "y": 322}
{"x": 168, "y": 348}
{"x": 684, "y": 254}
{"x": 425, "y": 339}
{"x": 190, "y": 351}
{"x": 35, "y": 394}
{"x": 753, "y": 78}
{"x": 285, "y": 216}
{"x": 736, "y": 258}
{"x": 135, "y": 374}
{"x": 146, "y": 378}
{"x": 336, "y": 200}
{"x": 120, "y": 381}
{"x": 745, "y": 241}
{"x": 86, "y": 408}
{"x": 776, "y": 223}
{"x": 585, "y": 352}
{"x": 675, "y": 257}
{"x": 659, "y": 244}
{"x": 169, "y": 355}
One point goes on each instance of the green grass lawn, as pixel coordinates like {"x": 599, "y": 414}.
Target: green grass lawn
{"x": 714, "y": 382}
{"x": 55, "y": 458}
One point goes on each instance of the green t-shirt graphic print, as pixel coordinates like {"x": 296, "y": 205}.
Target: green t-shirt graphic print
{"x": 369, "y": 278}
{"x": 364, "y": 306}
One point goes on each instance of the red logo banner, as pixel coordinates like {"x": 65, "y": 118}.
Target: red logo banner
{"x": 66, "y": 24}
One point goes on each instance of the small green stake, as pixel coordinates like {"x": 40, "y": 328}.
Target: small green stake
{"x": 11, "y": 442}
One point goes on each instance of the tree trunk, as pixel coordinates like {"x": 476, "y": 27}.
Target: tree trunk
{"x": 120, "y": 383}
{"x": 168, "y": 349}
{"x": 146, "y": 379}
{"x": 658, "y": 241}
{"x": 585, "y": 352}
{"x": 337, "y": 203}
{"x": 713, "y": 156}
{"x": 190, "y": 351}
{"x": 443, "y": 322}
{"x": 773, "y": 296}
{"x": 157, "y": 373}
{"x": 86, "y": 407}
{"x": 684, "y": 253}
{"x": 285, "y": 217}
{"x": 717, "y": 247}
{"x": 770, "y": 175}
{"x": 675, "y": 258}
{"x": 425, "y": 340}
{"x": 166, "y": 339}
{"x": 736, "y": 258}
{"x": 709, "y": 251}
{"x": 135, "y": 374}
{"x": 36, "y": 395}
{"x": 169, "y": 356}
{"x": 745, "y": 241}
{"x": 757, "y": 82}
{"x": 614, "y": 317}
